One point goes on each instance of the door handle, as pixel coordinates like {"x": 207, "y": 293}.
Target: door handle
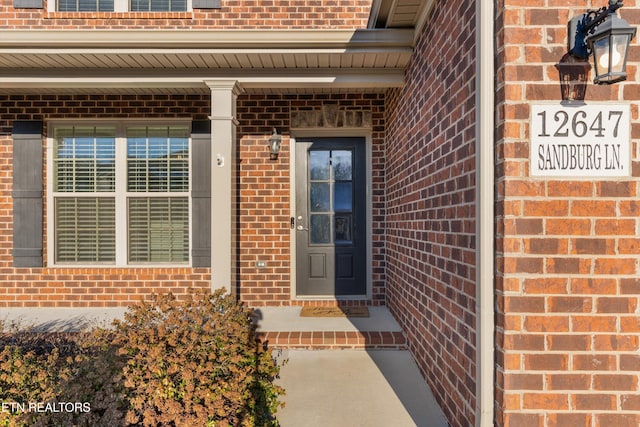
{"x": 300, "y": 227}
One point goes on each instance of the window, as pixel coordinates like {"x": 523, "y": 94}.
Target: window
{"x": 123, "y": 5}
{"x": 85, "y": 5}
{"x": 117, "y": 186}
{"x": 158, "y": 5}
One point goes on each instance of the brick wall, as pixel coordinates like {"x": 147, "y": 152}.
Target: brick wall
{"x": 430, "y": 173}
{"x": 568, "y": 251}
{"x": 234, "y": 14}
{"x": 263, "y": 208}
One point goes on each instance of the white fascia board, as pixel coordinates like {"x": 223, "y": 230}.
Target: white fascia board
{"x": 212, "y": 39}
{"x": 385, "y": 80}
{"x": 203, "y": 51}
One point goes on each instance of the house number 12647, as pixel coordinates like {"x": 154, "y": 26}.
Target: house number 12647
{"x": 580, "y": 141}
{"x": 579, "y": 124}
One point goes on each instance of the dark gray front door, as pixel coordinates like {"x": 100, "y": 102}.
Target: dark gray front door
{"x": 330, "y": 220}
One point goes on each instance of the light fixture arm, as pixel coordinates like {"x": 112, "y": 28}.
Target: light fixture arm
{"x": 583, "y": 25}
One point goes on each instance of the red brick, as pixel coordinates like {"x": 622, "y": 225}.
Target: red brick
{"x": 593, "y": 246}
{"x": 591, "y": 208}
{"x": 616, "y": 189}
{"x": 593, "y": 286}
{"x": 523, "y": 420}
{"x": 568, "y": 265}
{"x": 546, "y": 246}
{"x": 570, "y": 189}
{"x": 615, "y": 227}
{"x": 546, "y": 324}
{"x": 616, "y": 342}
{"x": 545, "y": 285}
{"x": 630, "y": 362}
{"x": 630, "y": 324}
{"x": 564, "y": 226}
{"x": 630, "y": 208}
{"x": 547, "y": 401}
{"x": 629, "y": 246}
{"x": 594, "y": 402}
{"x": 593, "y": 323}
{"x": 524, "y": 342}
{"x": 546, "y": 362}
{"x": 569, "y": 342}
{"x": 630, "y": 402}
{"x": 594, "y": 362}
{"x": 546, "y": 208}
{"x": 616, "y": 265}
{"x": 566, "y": 304}
{"x": 618, "y": 420}
{"x": 568, "y": 420}
{"x": 524, "y": 304}
{"x": 615, "y": 382}
{"x": 513, "y": 381}
{"x": 568, "y": 382}
{"x": 617, "y": 305}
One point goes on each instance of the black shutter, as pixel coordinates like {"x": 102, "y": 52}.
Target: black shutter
{"x": 201, "y": 193}
{"x": 27, "y": 194}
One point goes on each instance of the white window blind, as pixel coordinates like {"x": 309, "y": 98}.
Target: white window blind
{"x": 158, "y": 5}
{"x": 158, "y": 159}
{"x": 85, "y": 5}
{"x": 85, "y": 230}
{"x": 121, "y": 180}
{"x": 158, "y": 162}
{"x": 84, "y": 163}
{"x": 158, "y": 229}
{"x": 84, "y": 159}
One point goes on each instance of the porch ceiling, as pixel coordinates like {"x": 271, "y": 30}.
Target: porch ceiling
{"x": 165, "y": 61}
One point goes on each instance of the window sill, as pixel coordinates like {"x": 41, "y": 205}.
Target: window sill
{"x": 119, "y": 15}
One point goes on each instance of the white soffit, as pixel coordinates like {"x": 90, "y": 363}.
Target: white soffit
{"x": 257, "y": 59}
{"x": 400, "y": 13}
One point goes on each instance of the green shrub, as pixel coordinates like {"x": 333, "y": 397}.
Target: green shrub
{"x": 191, "y": 363}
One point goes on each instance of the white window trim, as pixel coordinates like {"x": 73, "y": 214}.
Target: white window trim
{"x": 119, "y": 6}
{"x": 120, "y": 192}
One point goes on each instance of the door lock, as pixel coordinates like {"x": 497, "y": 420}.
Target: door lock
{"x": 300, "y": 226}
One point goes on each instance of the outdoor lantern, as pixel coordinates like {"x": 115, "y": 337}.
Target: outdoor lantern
{"x": 274, "y": 145}
{"x": 607, "y": 36}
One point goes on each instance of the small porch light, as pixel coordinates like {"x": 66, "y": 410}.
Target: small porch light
{"x": 274, "y": 145}
{"x": 607, "y": 36}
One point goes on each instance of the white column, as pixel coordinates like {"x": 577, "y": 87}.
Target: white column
{"x": 224, "y": 95}
{"x": 485, "y": 216}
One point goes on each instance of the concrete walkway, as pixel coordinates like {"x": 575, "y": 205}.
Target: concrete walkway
{"x": 350, "y": 388}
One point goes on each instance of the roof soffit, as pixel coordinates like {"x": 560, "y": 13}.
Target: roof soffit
{"x": 325, "y": 58}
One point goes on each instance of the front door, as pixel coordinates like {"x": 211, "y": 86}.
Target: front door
{"x": 330, "y": 219}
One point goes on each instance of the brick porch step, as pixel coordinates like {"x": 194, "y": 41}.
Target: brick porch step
{"x": 316, "y": 340}
{"x": 282, "y": 327}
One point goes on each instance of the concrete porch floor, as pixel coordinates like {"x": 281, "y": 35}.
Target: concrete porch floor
{"x": 367, "y": 378}
{"x": 350, "y": 388}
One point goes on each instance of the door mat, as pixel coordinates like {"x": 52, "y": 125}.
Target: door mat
{"x": 334, "y": 312}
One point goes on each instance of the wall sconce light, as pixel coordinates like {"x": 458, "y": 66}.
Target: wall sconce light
{"x": 607, "y": 36}
{"x": 274, "y": 145}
